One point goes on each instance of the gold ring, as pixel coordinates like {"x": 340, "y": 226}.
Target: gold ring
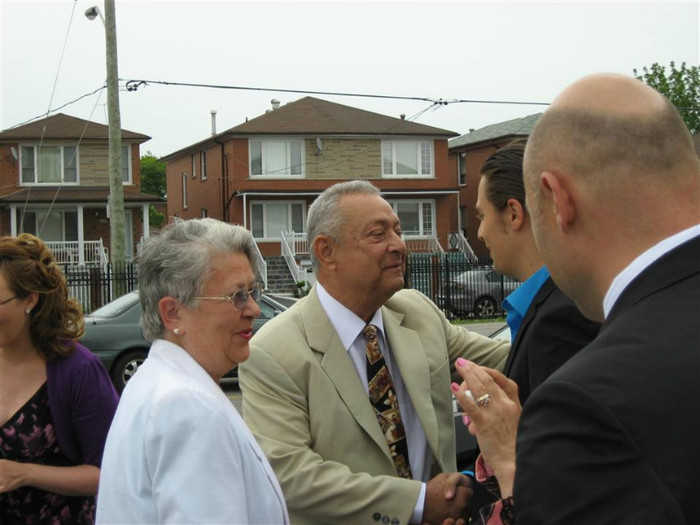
{"x": 482, "y": 401}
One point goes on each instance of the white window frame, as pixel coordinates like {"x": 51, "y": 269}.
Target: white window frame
{"x": 35, "y": 148}
{"x": 193, "y": 159}
{"x": 203, "y": 161}
{"x": 266, "y": 235}
{"x": 462, "y": 168}
{"x": 421, "y": 220}
{"x": 184, "y": 190}
{"x": 129, "y": 178}
{"x": 419, "y": 143}
{"x": 278, "y": 174}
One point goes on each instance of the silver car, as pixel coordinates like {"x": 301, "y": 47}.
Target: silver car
{"x": 112, "y": 332}
{"x": 479, "y": 292}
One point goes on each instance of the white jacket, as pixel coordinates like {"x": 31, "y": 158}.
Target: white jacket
{"x": 179, "y": 452}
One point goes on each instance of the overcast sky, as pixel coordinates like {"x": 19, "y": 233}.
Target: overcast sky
{"x": 500, "y": 51}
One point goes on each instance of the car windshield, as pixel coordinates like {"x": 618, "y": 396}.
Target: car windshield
{"x": 117, "y": 307}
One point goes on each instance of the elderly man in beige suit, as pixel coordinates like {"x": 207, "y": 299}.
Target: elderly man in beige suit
{"x": 306, "y": 397}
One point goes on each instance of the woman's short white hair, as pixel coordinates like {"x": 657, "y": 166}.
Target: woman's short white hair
{"x": 177, "y": 262}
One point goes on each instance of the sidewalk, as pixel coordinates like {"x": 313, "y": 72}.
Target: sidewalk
{"x": 485, "y": 328}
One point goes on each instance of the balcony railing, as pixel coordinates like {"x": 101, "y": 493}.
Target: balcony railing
{"x": 422, "y": 244}
{"x": 78, "y": 253}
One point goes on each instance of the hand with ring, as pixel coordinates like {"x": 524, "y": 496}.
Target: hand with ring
{"x": 492, "y": 411}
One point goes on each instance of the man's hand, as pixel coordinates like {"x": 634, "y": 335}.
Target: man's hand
{"x": 447, "y": 496}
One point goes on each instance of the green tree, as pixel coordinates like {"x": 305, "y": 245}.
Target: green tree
{"x": 680, "y": 85}
{"x": 153, "y": 182}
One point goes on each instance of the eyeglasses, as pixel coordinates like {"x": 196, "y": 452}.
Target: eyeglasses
{"x": 8, "y": 300}
{"x": 239, "y": 299}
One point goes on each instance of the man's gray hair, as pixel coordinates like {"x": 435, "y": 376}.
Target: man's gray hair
{"x": 324, "y": 217}
{"x": 177, "y": 262}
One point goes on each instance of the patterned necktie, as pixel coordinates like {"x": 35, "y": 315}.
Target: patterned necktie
{"x": 385, "y": 403}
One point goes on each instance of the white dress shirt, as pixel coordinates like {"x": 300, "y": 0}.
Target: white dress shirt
{"x": 642, "y": 262}
{"x": 179, "y": 452}
{"x": 349, "y": 329}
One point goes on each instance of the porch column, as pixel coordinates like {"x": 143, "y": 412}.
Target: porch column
{"x": 13, "y": 220}
{"x": 81, "y": 236}
{"x": 146, "y": 225}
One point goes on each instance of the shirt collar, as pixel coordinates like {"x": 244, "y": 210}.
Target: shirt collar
{"x": 518, "y": 302}
{"x": 347, "y": 325}
{"x": 642, "y": 262}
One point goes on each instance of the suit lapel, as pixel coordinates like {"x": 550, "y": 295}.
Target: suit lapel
{"x": 540, "y": 297}
{"x": 408, "y": 353}
{"x": 340, "y": 370}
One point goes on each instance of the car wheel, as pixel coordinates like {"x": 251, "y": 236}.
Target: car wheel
{"x": 126, "y": 366}
{"x": 485, "y": 306}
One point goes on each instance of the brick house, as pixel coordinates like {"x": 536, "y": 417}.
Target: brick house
{"x": 467, "y": 154}
{"x": 54, "y": 184}
{"x": 266, "y": 172}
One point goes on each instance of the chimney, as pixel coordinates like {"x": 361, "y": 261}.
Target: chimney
{"x": 213, "y": 122}
{"x": 275, "y": 103}
{"x": 403, "y": 116}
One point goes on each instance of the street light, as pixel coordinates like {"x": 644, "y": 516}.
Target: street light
{"x": 115, "y": 202}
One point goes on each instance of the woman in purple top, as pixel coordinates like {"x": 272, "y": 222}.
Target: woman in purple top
{"x": 56, "y": 400}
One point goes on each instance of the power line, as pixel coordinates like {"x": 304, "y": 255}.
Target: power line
{"x": 133, "y": 85}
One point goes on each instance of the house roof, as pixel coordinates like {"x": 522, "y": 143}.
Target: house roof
{"x": 313, "y": 116}
{"x": 519, "y": 127}
{"x": 64, "y": 127}
{"x": 70, "y": 194}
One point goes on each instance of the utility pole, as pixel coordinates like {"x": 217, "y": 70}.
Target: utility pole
{"x": 115, "y": 203}
{"x": 117, "y": 231}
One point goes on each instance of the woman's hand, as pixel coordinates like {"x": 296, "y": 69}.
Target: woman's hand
{"x": 492, "y": 411}
{"x": 80, "y": 480}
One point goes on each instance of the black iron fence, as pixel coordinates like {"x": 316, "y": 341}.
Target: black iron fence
{"x": 460, "y": 288}
{"x": 96, "y": 285}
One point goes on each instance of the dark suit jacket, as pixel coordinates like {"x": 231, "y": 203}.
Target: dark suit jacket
{"x": 552, "y": 331}
{"x": 614, "y": 435}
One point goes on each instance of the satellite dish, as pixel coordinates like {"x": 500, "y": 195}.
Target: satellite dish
{"x": 14, "y": 152}
{"x": 319, "y": 144}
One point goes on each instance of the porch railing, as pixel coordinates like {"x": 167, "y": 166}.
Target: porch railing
{"x": 77, "y": 253}
{"x": 422, "y": 244}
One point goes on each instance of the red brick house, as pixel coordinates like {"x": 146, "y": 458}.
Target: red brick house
{"x": 54, "y": 184}
{"x": 266, "y": 172}
{"x": 467, "y": 154}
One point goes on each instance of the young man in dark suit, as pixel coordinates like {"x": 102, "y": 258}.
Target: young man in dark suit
{"x": 546, "y": 327}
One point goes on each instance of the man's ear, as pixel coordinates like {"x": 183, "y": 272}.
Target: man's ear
{"x": 556, "y": 188}
{"x": 514, "y": 214}
{"x": 324, "y": 249}
{"x": 169, "y": 309}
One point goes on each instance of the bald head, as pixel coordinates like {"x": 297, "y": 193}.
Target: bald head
{"x": 610, "y": 164}
{"x": 607, "y": 130}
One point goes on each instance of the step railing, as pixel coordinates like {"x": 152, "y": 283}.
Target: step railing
{"x": 261, "y": 264}
{"x": 464, "y": 247}
{"x": 289, "y": 245}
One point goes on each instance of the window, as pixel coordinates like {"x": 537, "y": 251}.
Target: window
{"x": 54, "y": 225}
{"x": 276, "y": 158}
{"x": 406, "y": 158}
{"x": 416, "y": 216}
{"x": 126, "y": 164}
{"x": 193, "y": 161}
{"x": 49, "y": 164}
{"x": 462, "y": 162}
{"x": 205, "y": 213}
{"x": 184, "y": 190}
{"x": 268, "y": 219}
{"x": 203, "y": 157}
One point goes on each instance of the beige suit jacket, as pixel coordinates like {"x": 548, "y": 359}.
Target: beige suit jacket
{"x": 308, "y": 409}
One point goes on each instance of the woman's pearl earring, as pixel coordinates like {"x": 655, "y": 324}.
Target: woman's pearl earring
{"x": 177, "y": 332}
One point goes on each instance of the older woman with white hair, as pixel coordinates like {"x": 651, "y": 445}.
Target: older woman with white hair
{"x": 178, "y": 451}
